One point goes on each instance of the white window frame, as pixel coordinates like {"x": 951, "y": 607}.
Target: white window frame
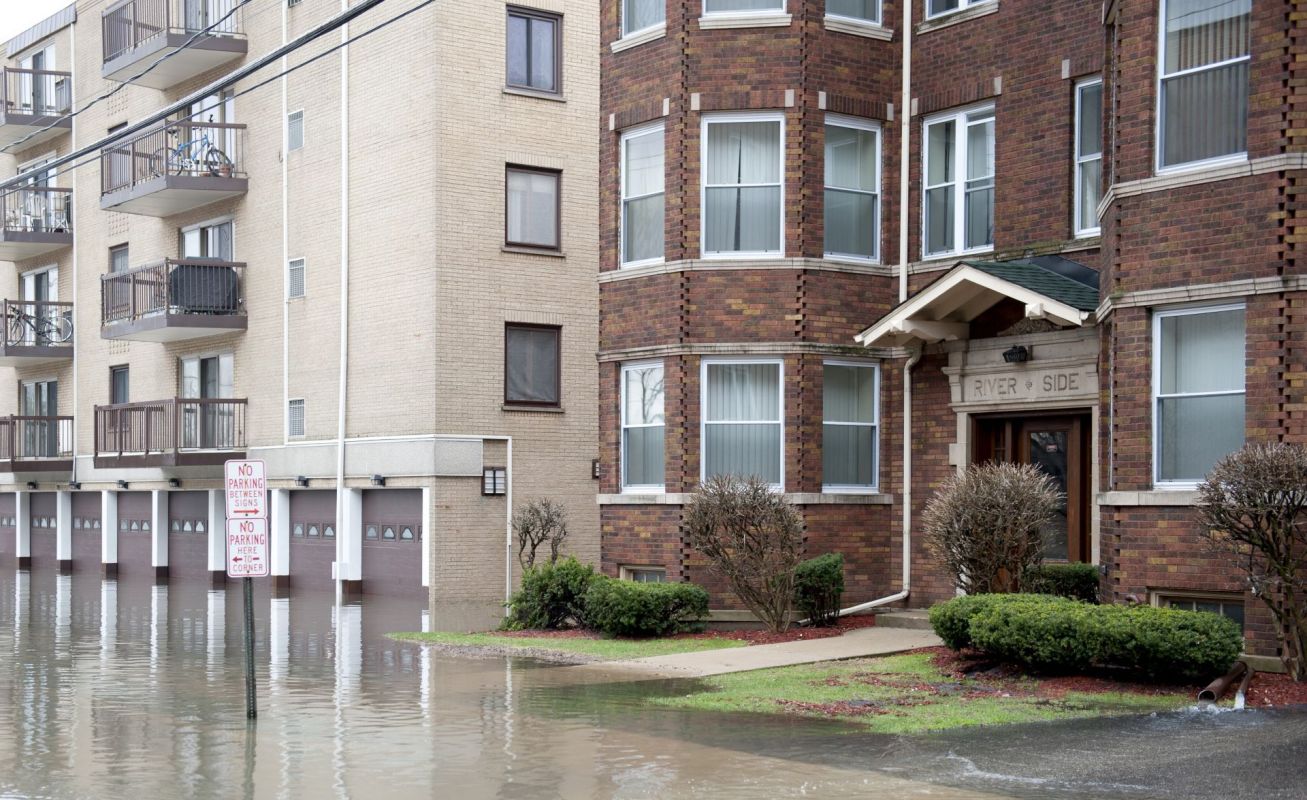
{"x": 880, "y": 14}
{"x": 874, "y": 486}
{"x": 963, "y": 5}
{"x": 208, "y": 223}
{"x": 623, "y": 33}
{"x": 628, "y": 134}
{"x": 1160, "y": 598}
{"x": 1095, "y": 229}
{"x": 959, "y": 182}
{"x": 1187, "y": 166}
{"x": 303, "y": 130}
{"x": 304, "y": 284}
{"x": 751, "y": 116}
{"x": 304, "y": 417}
{"x": 627, "y": 572}
{"x": 841, "y": 121}
{"x": 1158, "y": 316}
{"x": 651, "y": 488}
{"x": 778, "y": 7}
{"x": 703, "y": 410}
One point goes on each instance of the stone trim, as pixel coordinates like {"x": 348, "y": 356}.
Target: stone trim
{"x": 1201, "y": 175}
{"x": 749, "y": 349}
{"x": 855, "y": 27}
{"x": 638, "y": 38}
{"x": 1178, "y": 497}
{"x": 956, "y": 17}
{"x": 797, "y": 498}
{"x": 779, "y": 19}
{"x": 1226, "y": 290}
{"x": 713, "y": 265}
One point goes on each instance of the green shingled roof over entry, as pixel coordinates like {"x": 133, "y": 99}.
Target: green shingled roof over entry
{"x": 1037, "y": 279}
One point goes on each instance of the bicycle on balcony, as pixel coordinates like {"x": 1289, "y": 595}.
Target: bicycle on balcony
{"x": 198, "y": 155}
{"x": 50, "y": 327}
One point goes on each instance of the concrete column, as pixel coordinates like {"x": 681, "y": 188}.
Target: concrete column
{"x": 348, "y": 570}
{"x": 426, "y": 536}
{"x": 279, "y": 538}
{"x": 109, "y": 532}
{"x": 349, "y": 649}
{"x": 216, "y": 632}
{"x": 279, "y": 641}
{"x": 23, "y": 529}
{"x": 63, "y": 530}
{"x": 158, "y": 623}
{"x": 217, "y": 537}
{"x": 63, "y": 611}
{"x": 109, "y": 617}
{"x": 159, "y": 532}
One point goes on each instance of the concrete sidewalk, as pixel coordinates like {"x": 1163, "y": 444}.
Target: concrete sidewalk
{"x": 860, "y": 643}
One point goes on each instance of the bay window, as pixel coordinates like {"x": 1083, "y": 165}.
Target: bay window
{"x": 850, "y": 416}
{"x": 642, "y": 195}
{"x": 959, "y": 183}
{"x": 852, "y": 196}
{"x": 643, "y": 424}
{"x": 742, "y": 409}
{"x": 1198, "y": 391}
{"x": 1203, "y": 81}
{"x": 743, "y": 192}
{"x": 1089, "y": 155}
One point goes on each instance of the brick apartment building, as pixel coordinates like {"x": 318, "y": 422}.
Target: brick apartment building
{"x": 1088, "y": 265}
{"x": 376, "y": 273}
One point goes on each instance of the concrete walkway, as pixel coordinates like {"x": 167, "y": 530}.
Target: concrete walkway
{"x": 860, "y": 643}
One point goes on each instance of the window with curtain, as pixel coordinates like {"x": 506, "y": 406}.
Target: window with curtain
{"x": 742, "y": 426}
{"x": 852, "y": 195}
{"x": 742, "y": 174}
{"x": 531, "y": 364}
{"x": 637, "y": 15}
{"x": 1089, "y": 155}
{"x": 119, "y": 258}
{"x": 1198, "y": 387}
{"x": 849, "y": 423}
{"x": 642, "y": 195}
{"x": 936, "y": 8}
{"x": 737, "y": 6}
{"x": 862, "y": 10}
{"x": 208, "y": 241}
{"x": 959, "y": 170}
{"x": 642, "y": 426}
{"x": 532, "y": 208}
{"x": 1203, "y": 92}
{"x": 534, "y": 44}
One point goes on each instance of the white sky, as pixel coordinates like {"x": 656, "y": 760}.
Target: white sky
{"x": 17, "y": 16}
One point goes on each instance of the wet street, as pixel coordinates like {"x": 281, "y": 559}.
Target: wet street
{"x": 124, "y": 689}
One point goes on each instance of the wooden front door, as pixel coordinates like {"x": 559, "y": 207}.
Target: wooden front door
{"x": 1058, "y": 444}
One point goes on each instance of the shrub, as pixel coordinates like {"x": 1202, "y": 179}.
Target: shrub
{"x": 551, "y": 595}
{"x": 752, "y": 537}
{"x": 536, "y": 523}
{"x": 1167, "y": 642}
{"x": 984, "y": 524}
{"x": 627, "y": 608}
{"x": 952, "y": 619}
{"x": 818, "y": 586}
{"x": 1050, "y": 634}
{"x": 1076, "y": 581}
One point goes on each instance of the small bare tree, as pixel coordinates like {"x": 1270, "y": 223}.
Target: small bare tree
{"x": 985, "y": 524}
{"x": 752, "y": 537}
{"x": 1253, "y": 509}
{"x": 536, "y": 523}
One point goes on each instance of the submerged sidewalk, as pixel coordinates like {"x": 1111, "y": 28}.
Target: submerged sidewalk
{"x": 859, "y": 643}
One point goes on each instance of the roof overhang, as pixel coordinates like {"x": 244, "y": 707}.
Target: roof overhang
{"x": 943, "y": 311}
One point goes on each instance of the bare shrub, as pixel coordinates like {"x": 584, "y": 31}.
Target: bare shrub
{"x": 984, "y": 524}
{"x": 537, "y": 523}
{"x": 752, "y": 537}
{"x": 1253, "y": 509}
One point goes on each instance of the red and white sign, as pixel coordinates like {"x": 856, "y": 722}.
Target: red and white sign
{"x": 247, "y": 489}
{"x": 247, "y": 548}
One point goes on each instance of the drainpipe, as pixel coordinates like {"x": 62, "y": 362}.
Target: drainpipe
{"x": 344, "y": 298}
{"x": 508, "y": 527}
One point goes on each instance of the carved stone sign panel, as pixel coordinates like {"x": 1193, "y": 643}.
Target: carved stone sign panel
{"x": 1029, "y": 385}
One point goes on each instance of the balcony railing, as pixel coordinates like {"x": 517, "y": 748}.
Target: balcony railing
{"x": 37, "y": 209}
{"x": 35, "y": 441}
{"x": 171, "y": 432}
{"x": 137, "y": 23}
{"x": 35, "y": 92}
{"x": 182, "y": 149}
{"x": 199, "y": 286}
{"x": 36, "y": 330}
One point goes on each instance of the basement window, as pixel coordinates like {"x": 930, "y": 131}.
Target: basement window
{"x": 1227, "y": 604}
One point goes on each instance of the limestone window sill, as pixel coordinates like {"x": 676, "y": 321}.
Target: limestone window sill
{"x": 550, "y": 96}
{"x": 531, "y": 251}
{"x": 956, "y": 17}
{"x": 1155, "y": 497}
{"x": 858, "y": 27}
{"x": 767, "y": 19}
{"x": 637, "y": 38}
{"x": 798, "y": 498}
{"x": 534, "y": 409}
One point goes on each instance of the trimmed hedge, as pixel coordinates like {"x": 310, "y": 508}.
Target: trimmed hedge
{"x": 818, "y": 586}
{"x": 626, "y": 608}
{"x": 1076, "y": 581}
{"x": 551, "y": 595}
{"x": 1058, "y": 634}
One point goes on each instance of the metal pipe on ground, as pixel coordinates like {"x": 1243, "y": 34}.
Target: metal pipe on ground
{"x": 1241, "y": 696}
{"x": 1215, "y": 690}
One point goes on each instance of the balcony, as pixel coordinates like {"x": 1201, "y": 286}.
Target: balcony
{"x": 169, "y": 433}
{"x": 36, "y": 444}
{"x": 176, "y": 300}
{"x": 37, "y": 220}
{"x": 174, "y": 169}
{"x": 138, "y": 33}
{"x": 36, "y": 332}
{"x": 33, "y": 103}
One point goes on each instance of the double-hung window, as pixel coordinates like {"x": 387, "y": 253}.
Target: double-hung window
{"x": 531, "y": 213}
{"x": 642, "y": 195}
{"x": 733, "y": 7}
{"x": 743, "y": 408}
{"x": 642, "y": 426}
{"x": 1203, "y": 81}
{"x": 641, "y": 15}
{"x": 1198, "y": 391}
{"x": 850, "y": 416}
{"x": 743, "y": 194}
{"x": 852, "y": 195}
{"x": 532, "y": 364}
{"x": 860, "y": 10}
{"x": 959, "y": 170}
{"x": 938, "y": 8}
{"x": 535, "y": 42}
{"x": 1089, "y": 155}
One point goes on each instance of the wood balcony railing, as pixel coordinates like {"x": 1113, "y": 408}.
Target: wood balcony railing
{"x": 172, "y": 432}
{"x": 25, "y": 439}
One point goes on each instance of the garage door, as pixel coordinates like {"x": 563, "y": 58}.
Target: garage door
{"x": 188, "y": 535}
{"x": 8, "y": 547}
{"x": 86, "y": 531}
{"x": 44, "y": 536}
{"x": 392, "y": 542}
{"x": 312, "y": 538}
{"x": 134, "y": 534}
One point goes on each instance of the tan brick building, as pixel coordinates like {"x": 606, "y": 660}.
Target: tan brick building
{"x": 393, "y": 246}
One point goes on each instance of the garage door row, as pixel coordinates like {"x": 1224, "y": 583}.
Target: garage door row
{"x": 391, "y": 536}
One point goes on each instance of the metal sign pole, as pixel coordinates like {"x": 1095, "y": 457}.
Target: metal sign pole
{"x": 251, "y": 704}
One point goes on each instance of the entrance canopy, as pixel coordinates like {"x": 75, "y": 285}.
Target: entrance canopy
{"x": 1051, "y": 288}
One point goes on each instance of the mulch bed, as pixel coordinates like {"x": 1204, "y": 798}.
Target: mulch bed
{"x": 1269, "y": 690}
{"x": 794, "y": 634}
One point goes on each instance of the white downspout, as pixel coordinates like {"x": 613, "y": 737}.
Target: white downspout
{"x": 285, "y": 250}
{"x": 508, "y": 527}
{"x": 72, "y": 35}
{"x": 341, "y": 537}
{"x": 905, "y": 139}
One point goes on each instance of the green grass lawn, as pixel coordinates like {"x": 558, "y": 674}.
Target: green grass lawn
{"x": 606, "y": 649}
{"x": 906, "y": 694}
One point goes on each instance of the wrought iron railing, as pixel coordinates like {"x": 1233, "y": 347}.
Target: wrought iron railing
{"x": 35, "y": 92}
{"x": 177, "y": 286}
{"x": 37, "y": 209}
{"x": 38, "y": 323}
{"x": 172, "y": 426}
{"x": 24, "y": 438}
{"x": 128, "y": 25}
{"x": 180, "y": 148}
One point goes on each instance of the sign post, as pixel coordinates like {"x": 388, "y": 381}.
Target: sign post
{"x": 247, "y": 548}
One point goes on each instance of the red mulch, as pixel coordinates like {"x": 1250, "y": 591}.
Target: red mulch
{"x": 1269, "y": 690}
{"x": 1007, "y": 677}
{"x": 794, "y": 634}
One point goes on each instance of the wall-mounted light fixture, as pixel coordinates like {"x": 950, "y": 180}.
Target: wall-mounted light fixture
{"x": 31, "y": 484}
{"x": 494, "y": 480}
{"x": 300, "y": 480}
{"x": 594, "y": 468}
{"x": 1017, "y": 354}
{"x": 74, "y": 485}
{"x": 378, "y": 480}
{"x": 122, "y": 484}
{"x": 174, "y": 483}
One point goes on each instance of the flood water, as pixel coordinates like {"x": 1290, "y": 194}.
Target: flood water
{"x": 123, "y": 689}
